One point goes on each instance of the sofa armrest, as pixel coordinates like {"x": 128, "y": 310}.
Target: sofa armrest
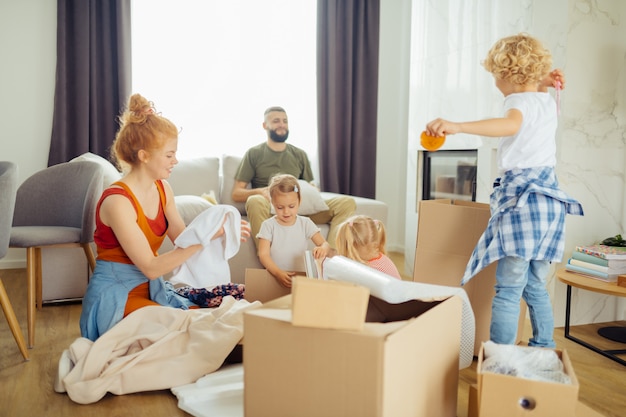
{"x": 376, "y": 209}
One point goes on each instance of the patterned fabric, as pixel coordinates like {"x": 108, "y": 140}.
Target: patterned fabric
{"x": 384, "y": 264}
{"x": 527, "y": 219}
{"x": 205, "y": 297}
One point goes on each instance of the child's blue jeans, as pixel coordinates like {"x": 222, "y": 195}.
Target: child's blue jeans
{"x": 516, "y": 278}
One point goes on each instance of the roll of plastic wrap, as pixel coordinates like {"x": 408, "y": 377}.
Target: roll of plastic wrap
{"x": 396, "y": 291}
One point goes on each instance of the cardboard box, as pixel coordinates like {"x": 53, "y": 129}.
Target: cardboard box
{"x": 328, "y": 304}
{"x": 505, "y": 395}
{"x": 446, "y": 236}
{"x": 404, "y": 366}
{"x": 262, "y": 286}
{"x": 472, "y": 410}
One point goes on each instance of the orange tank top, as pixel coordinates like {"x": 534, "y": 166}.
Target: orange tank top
{"x": 108, "y": 246}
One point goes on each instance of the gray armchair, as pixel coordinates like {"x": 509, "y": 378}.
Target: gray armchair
{"x": 55, "y": 207}
{"x": 8, "y": 187}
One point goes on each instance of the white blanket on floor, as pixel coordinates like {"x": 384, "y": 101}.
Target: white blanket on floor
{"x": 153, "y": 348}
{"x": 209, "y": 267}
{"x": 395, "y": 291}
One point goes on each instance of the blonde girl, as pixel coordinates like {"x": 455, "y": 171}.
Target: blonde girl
{"x": 284, "y": 237}
{"x": 363, "y": 239}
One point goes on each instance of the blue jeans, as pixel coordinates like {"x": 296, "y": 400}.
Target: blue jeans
{"x": 517, "y": 278}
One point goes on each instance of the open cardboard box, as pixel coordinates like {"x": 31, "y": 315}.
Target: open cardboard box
{"x": 262, "y": 286}
{"x": 505, "y": 395}
{"x": 404, "y": 364}
{"x": 446, "y": 236}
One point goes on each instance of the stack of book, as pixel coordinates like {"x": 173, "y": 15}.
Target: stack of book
{"x": 598, "y": 261}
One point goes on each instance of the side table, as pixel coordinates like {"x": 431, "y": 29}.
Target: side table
{"x": 572, "y": 279}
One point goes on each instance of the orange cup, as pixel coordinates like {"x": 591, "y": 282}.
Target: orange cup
{"x": 431, "y": 143}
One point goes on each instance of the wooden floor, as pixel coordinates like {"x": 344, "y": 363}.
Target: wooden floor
{"x": 26, "y": 388}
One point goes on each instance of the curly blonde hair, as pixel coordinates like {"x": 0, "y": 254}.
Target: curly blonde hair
{"x": 141, "y": 127}
{"x": 360, "y": 233}
{"x": 519, "y": 59}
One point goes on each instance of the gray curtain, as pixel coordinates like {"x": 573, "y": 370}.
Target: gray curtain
{"x": 93, "y": 76}
{"x": 347, "y": 71}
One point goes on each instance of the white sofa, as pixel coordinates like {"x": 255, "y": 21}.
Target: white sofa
{"x": 192, "y": 178}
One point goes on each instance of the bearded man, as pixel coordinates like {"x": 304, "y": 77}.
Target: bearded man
{"x": 275, "y": 156}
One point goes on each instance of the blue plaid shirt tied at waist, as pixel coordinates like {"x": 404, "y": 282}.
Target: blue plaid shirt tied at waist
{"x": 527, "y": 219}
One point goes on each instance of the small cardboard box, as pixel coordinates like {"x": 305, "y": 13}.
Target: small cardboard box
{"x": 505, "y": 395}
{"x": 262, "y": 286}
{"x": 447, "y": 233}
{"x": 472, "y": 410}
{"x": 328, "y": 304}
{"x": 404, "y": 366}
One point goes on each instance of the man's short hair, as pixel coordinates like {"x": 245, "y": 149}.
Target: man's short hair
{"x": 274, "y": 108}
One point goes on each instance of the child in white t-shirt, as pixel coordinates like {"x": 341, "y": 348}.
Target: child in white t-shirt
{"x": 363, "y": 239}
{"x": 284, "y": 237}
{"x": 527, "y": 225}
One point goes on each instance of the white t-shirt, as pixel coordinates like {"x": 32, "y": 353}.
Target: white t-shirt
{"x": 534, "y": 145}
{"x": 288, "y": 243}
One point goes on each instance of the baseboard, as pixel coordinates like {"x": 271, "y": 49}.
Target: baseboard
{"x": 395, "y": 248}
{"x": 12, "y": 264}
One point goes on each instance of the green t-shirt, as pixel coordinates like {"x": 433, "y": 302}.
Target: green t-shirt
{"x": 260, "y": 163}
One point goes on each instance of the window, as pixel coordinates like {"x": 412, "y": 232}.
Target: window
{"x": 213, "y": 67}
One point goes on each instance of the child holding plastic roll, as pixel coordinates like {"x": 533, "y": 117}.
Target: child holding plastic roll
{"x": 527, "y": 225}
{"x": 363, "y": 239}
{"x": 284, "y": 237}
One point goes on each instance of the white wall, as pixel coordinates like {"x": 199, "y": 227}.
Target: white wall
{"x": 393, "y": 99}
{"x": 28, "y": 50}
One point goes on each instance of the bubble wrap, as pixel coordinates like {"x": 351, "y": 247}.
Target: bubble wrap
{"x": 395, "y": 291}
{"x": 524, "y": 362}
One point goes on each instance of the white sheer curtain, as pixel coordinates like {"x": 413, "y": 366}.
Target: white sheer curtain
{"x": 214, "y": 66}
{"x": 449, "y": 41}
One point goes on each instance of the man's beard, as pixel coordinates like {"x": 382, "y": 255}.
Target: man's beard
{"x": 278, "y": 138}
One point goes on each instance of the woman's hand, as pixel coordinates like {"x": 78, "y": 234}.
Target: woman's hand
{"x": 245, "y": 230}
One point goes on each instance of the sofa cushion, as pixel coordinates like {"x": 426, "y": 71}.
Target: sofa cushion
{"x": 230, "y": 164}
{"x": 111, "y": 174}
{"x": 189, "y": 206}
{"x": 191, "y": 175}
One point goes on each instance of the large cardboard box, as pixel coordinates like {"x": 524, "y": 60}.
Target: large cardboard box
{"x": 262, "y": 286}
{"x": 447, "y": 233}
{"x": 505, "y": 395}
{"x": 406, "y": 365}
